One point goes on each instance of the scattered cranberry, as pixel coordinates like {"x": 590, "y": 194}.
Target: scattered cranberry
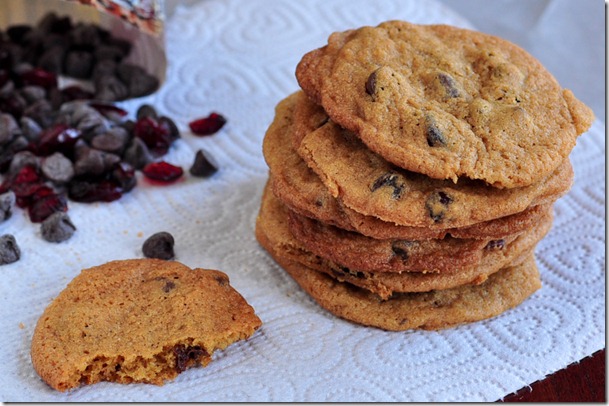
{"x": 208, "y": 125}
{"x": 162, "y": 171}
{"x": 42, "y": 207}
{"x": 39, "y": 77}
{"x": 156, "y": 137}
{"x": 59, "y": 138}
{"x": 76, "y": 93}
{"x": 109, "y": 110}
{"x": 90, "y": 192}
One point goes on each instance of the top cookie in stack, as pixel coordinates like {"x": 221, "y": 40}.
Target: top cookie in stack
{"x": 414, "y": 174}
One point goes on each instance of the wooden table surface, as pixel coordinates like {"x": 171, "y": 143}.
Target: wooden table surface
{"x": 583, "y": 381}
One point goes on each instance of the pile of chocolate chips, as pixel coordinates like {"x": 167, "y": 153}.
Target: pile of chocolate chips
{"x": 61, "y": 144}
{"x": 79, "y": 50}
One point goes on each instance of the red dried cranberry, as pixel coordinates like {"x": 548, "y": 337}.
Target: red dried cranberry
{"x": 89, "y": 192}
{"x": 75, "y": 93}
{"x": 109, "y": 110}
{"x": 24, "y": 184}
{"x": 208, "y": 125}
{"x": 39, "y": 77}
{"x": 57, "y": 138}
{"x": 162, "y": 171}
{"x": 156, "y": 137}
{"x": 45, "y": 205}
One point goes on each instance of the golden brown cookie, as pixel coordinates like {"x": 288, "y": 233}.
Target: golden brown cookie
{"x": 369, "y": 185}
{"x": 430, "y": 310}
{"x": 140, "y": 320}
{"x": 446, "y": 102}
{"x": 273, "y": 233}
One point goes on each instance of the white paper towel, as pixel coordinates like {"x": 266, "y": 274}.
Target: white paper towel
{"x": 238, "y": 58}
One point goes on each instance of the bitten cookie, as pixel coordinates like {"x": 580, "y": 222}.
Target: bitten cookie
{"x": 140, "y": 320}
{"x": 446, "y": 102}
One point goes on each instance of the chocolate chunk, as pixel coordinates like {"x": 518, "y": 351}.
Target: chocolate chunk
{"x": 449, "y": 84}
{"x": 495, "y": 245}
{"x": 159, "y": 245}
{"x": 204, "y": 164}
{"x": 437, "y": 204}
{"x": 9, "y": 250}
{"x": 187, "y": 356}
{"x": 435, "y": 137}
{"x": 7, "y": 202}
{"x": 57, "y": 227}
{"x": 371, "y": 83}
{"x": 392, "y": 180}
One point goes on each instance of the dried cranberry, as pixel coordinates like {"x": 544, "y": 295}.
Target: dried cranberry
{"x": 156, "y": 137}
{"x": 57, "y": 138}
{"x": 39, "y": 77}
{"x": 162, "y": 171}
{"x": 25, "y": 182}
{"x": 208, "y": 125}
{"x": 49, "y": 203}
{"x": 89, "y": 192}
{"x": 109, "y": 110}
{"x": 75, "y": 93}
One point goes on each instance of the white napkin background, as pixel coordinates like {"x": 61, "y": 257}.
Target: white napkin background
{"x": 238, "y": 58}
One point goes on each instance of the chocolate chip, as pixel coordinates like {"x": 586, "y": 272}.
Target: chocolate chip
{"x": 41, "y": 112}
{"x": 21, "y": 159}
{"x": 109, "y": 88}
{"x": 9, "y": 250}
{"x": 435, "y": 137}
{"x": 204, "y": 165}
{"x": 159, "y": 245}
{"x": 449, "y": 84}
{"x": 371, "y": 83}
{"x": 170, "y": 125}
{"x": 187, "y": 356}
{"x": 392, "y": 180}
{"x": 57, "y": 227}
{"x": 113, "y": 140}
{"x": 32, "y": 94}
{"x": 146, "y": 110}
{"x": 495, "y": 245}
{"x": 57, "y": 168}
{"x": 30, "y": 129}
{"x": 95, "y": 162}
{"x": 437, "y": 204}
{"x": 169, "y": 285}
{"x": 78, "y": 64}
{"x": 9, "y": 128}
{"x": 137, "y": 154}
{"x": 7, "y": 202}
{"x": 400, "y": 249}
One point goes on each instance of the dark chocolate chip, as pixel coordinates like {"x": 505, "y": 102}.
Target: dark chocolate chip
{"x": 495, "y": 245}
{"x": 7, "y": 202}
{"x": 137, "y": 154}
{"x": 159, "y": 245}
{"x": 449, "y": 84}
{"x": 437, "y": 204}
{"x": 110, "y": 88}
{"x": 57, "y": 168}
{"x": 21, "y": 159}
{"x": 204, "y": 164}
{"x": 57, "y": 227}
{"x": 392, "y": 180}
{"x": 78, "y": 64}
{"x": 169, "y": 285}
{"x": 371, "y": 83}
{"x": 170, "y": 125}
{"x": 146, "y": 110}
{"x": 9, "y": 128}
{"x": 9, "y": 250}
{"x": 435, "y": 137}
{"x": 113, "y": 140}
{"x": 400, "y": 249}
{"x": 187, "y": 356}
{"x": 30, "y": 129}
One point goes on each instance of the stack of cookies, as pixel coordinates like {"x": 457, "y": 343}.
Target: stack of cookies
{"x": 414, "y": 173}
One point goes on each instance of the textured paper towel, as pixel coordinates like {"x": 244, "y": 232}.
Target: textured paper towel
{"x": 238, "y": 58}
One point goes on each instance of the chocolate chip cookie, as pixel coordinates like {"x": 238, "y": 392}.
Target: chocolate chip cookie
{"x": 141, "y": 320}
{"x": 446, "y": 102}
